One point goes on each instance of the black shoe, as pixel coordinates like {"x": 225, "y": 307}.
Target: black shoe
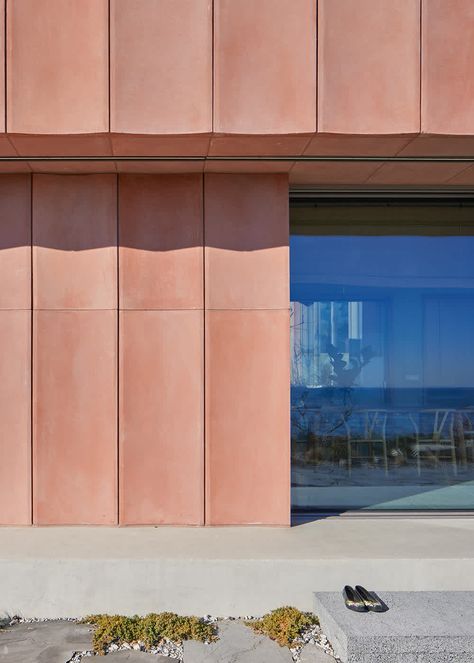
{"x": 353, "y": 600}
{"x": 371, "y": 600}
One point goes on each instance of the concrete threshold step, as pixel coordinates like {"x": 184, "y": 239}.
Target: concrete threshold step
{"x": 229, "y": 571}
{"x": 419, "y": 627}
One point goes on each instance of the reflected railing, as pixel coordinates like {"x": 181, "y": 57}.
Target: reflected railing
{"x": 420, "y": 443}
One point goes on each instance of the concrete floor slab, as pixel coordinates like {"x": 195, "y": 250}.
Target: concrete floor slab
{"x": 43, "y": 642}
{"x": 419, "y": 627}
{"x": 314, "y": 654}
{"x": 226, "y": 571}
{"x": 137, "y": 657}
{"x": 239, "y": 644}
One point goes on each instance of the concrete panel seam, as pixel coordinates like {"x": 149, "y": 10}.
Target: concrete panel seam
{"x": 32, "y": 476}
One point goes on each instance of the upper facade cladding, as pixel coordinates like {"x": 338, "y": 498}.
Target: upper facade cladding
{"x": 243, "y": 77}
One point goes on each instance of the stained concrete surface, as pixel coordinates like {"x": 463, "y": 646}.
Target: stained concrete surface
{"x": 314, "y": 654}
{"x": 57, "y": 642}
{"x": 237, "y": 644}
{"x": 138, "y": 657}
{"x": 44, "y": 642}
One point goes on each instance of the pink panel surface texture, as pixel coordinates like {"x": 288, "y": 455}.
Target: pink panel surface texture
{"x": 15, "y": 357}
{"x": 247, "y": 349}
{"x": 264, "y": 70}
{"x": 161, "y": 241}
{"x": 75, "y": 417}
{"x": 246, "y": 230}
{"x": 234, "y": 78}
{"x": 75, "y": 349}
{"x": 75, "y": 241}
{"x": 57, "y": 74}
{"x": 368, "y": 67}
{"x": 161, "y": 417}
{"x": 161, "y": 349}
{"x": 145, "y": 304}
{"x": 447, "y": 67}
{"x": 15, "y": 417}
{"x": 161, "y": 75}
{"x": 247, "y": 418}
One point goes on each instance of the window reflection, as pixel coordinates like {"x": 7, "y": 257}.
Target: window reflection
{"x": 382, "y": 369}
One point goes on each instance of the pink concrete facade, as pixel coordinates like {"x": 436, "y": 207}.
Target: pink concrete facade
{"x": 213, "y": 78}
{"x": 157, "y": 301}
{"x": 15, "y": 359}
{"x": 247, "y": 349}
{"x": 161, "y": 417}
{"x": 144, "y": 312}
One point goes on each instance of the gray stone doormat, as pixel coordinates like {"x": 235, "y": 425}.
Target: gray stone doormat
{"x": 419, "y": 627}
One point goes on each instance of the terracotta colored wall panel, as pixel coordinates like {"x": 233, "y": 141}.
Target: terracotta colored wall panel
{"x": 357, "y": 145}
{"x": 247, "y": 351}
{"x": 15, "y": 242}
{"x": 57, "y": 69}
{"x": 75, "y": 238}
{"x": 169, "y": 145}
{"x": 2, "y": 68}
{"x": 416, "y": 173}
{"x": 15, "y": 404}
{"x": 447, "y": 67}
{"x": 161, "y": 417}
{"x": 78, "y": 145}
{"x": 257, "y": 145}
{"x": 368, "y": 66}
{"x": 265, "y": 66}
{"x": 246, "y": 232}
{"x": 161, "y": 235}
{"x": 341, "y": 172}
{"x": 74, "y": 417}
{"x": 6, "y": 148}
{"x": 247, "y": 417}
{"x": 161, "y": 66}
{"x": 439, "y": 145}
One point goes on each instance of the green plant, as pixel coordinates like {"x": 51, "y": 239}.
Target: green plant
{"x": 150, "y": 630}
{"x": 283, "y": 624}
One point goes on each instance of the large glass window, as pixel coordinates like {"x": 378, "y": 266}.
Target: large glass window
{"x": 382, "y": 357}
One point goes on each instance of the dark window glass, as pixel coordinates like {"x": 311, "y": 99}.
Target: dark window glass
{"x": 382, "y": 358}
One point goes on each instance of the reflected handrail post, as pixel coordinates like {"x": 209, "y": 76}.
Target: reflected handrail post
{"x": 435, "y": 442}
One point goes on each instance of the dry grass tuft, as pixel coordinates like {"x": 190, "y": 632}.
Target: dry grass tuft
{"x": 150, "y": 630}
{"x": 283, "y": 625}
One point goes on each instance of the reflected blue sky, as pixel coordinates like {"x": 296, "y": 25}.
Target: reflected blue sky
{"x": 382, "y": 326}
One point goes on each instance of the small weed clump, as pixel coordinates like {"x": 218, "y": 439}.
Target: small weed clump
{"x": 150, "y": 630}
{"x": 283, "y": 624}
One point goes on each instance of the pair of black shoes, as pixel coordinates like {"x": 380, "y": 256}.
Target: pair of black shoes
{"x": 361, "y": 600}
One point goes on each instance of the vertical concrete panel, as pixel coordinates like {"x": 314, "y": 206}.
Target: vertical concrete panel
{"x": 15, "y": 358}
{"x": 247, "y": 417}
{"x": 74, "y": 417}
{"x": 368, "y": 66}
{"x": 265, "y": 66}
{"x": 161, "y": 417}
{"x": 246, "y": 230}
{"x": 57, "y": 68}
{"x": 161, "y": 66}
{"x": 75, "y": 241}
{"x": 15, "y": 417}
{"x": 247, "y": 350}
{"x": 6, "y": 148}
{"x": 447, "y": 67}
{"x": 15, "y": 242}
{"x": 2, "y": 71}
{"x": 161, "y": 235}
